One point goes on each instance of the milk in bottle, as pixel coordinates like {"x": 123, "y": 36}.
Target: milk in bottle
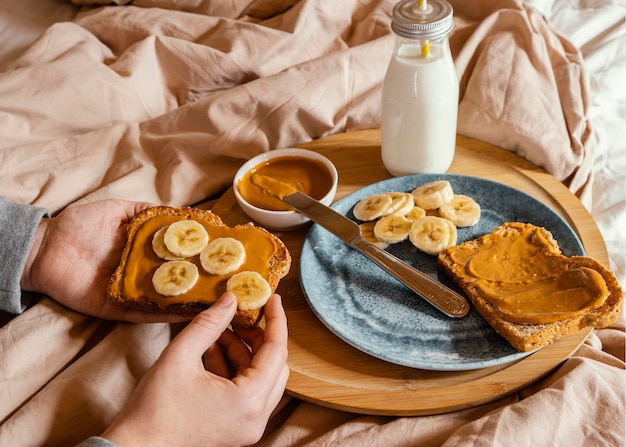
{"x": 420, "y": 91}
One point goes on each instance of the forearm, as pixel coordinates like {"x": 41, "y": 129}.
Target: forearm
{"x": 18, "y": 228}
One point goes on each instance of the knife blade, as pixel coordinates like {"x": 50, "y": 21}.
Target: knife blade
{"x": 443, "y": 298}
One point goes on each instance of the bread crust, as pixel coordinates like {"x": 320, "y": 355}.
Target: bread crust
{"x": 279, "y": 263}
{"x": 529, "y": 337}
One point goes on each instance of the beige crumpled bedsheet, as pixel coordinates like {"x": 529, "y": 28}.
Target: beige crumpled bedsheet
{"x": 162, "y": 100}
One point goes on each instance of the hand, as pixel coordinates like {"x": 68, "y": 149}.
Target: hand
{"x": 75, "y": 253}
{"x": 180, "y": 403}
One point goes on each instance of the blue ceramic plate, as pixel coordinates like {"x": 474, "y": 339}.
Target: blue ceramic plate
{"x": 372, "y": 311}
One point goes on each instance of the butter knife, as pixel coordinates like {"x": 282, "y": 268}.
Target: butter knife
{"x": 440, "y": 296}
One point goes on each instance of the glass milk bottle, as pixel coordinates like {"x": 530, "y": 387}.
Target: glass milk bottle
{"x": 420, "y": 91}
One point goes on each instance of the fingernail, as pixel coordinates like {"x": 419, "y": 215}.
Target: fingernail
{"x": 227, "y": 299}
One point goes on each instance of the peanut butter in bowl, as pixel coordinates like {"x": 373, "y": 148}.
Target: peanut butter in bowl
{"x": 303, "y": 170}
{"x": 303, "y": 174}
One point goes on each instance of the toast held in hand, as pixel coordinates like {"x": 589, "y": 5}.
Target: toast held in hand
{"x": 183, "y": 286}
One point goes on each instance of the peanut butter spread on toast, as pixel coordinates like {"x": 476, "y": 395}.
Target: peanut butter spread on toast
{"x": 142, "y": 261}
{"x": 528, "y": 282}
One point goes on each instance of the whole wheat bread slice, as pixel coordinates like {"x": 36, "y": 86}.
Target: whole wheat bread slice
{"x": 279, "y": 263}
{"x": 528, "y": 337}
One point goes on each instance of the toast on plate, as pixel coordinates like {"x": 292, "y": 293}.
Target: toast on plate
{"x": 517, "y": 278}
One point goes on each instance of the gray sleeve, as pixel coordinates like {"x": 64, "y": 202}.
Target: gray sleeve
{"x": 18, "y": 224}
{"x": 96, "y": 441}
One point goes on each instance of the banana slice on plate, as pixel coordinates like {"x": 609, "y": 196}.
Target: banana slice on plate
{"x": 433, "y": 234}
{"x": 367, "y": 233}
{"x": 401, "y": 203}
{"x": 392, "y": 229}
{"x": 158, "y": 245}
{"x": 185, "y": 238}
{"x": 250, "y": 288}
{"x": 222, "y": 256}
{"x": 415, "y": 213}
{"x": 174, "y": 278}
{"x": 433, "y": 195}
{"x": 462, "y": 211}
{"x": 372, "y": 207}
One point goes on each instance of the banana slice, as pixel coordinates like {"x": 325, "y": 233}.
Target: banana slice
{"x": 372, "y": 207}
{"x": 174, "y": 278}
{"x": 185, "y": 238}
{"x": 367, "y": 233}
{"x": 158, "y": 245}
{"x": 433, "y": 195}
{"x": 392, "y": 229}
{"x": 222, "y": 256}
{"x": 462, "y": 211}
{"x": 250, "y": 288}
{"x": 415, "y": 213}
{"x": 401, "y": 203}
{"x": 433, "y": 234}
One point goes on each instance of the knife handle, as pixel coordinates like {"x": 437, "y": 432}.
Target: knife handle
{"x": 440, "y": 296}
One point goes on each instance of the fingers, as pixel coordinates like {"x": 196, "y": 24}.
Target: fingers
{"x": 215, "y": 362}
{"x": 235, "y": 350}
{"x": 206, "y": 327}
{"x": 133, "y": 208}
{"x": 270, "y": 352}
{"x": 252, "y": 336}
{"x": 127, "y": 209}
{"x": 265, "y": 367}
{"x": 255, "y": 337}
{"x": 276, "y": 333}
{"x": 269, "y": 365}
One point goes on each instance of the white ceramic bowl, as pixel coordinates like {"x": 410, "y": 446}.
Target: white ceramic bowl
{"x": 282, "y": 220}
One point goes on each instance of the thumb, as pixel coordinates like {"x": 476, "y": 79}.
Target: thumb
{"x": 206, "y": 327}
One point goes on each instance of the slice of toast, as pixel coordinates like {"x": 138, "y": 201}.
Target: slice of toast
{"x": 526, "y": 336}
{"x": 131, "y": 286}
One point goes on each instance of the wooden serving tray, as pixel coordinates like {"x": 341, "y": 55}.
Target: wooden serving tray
{"x": 329, "y": 372}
